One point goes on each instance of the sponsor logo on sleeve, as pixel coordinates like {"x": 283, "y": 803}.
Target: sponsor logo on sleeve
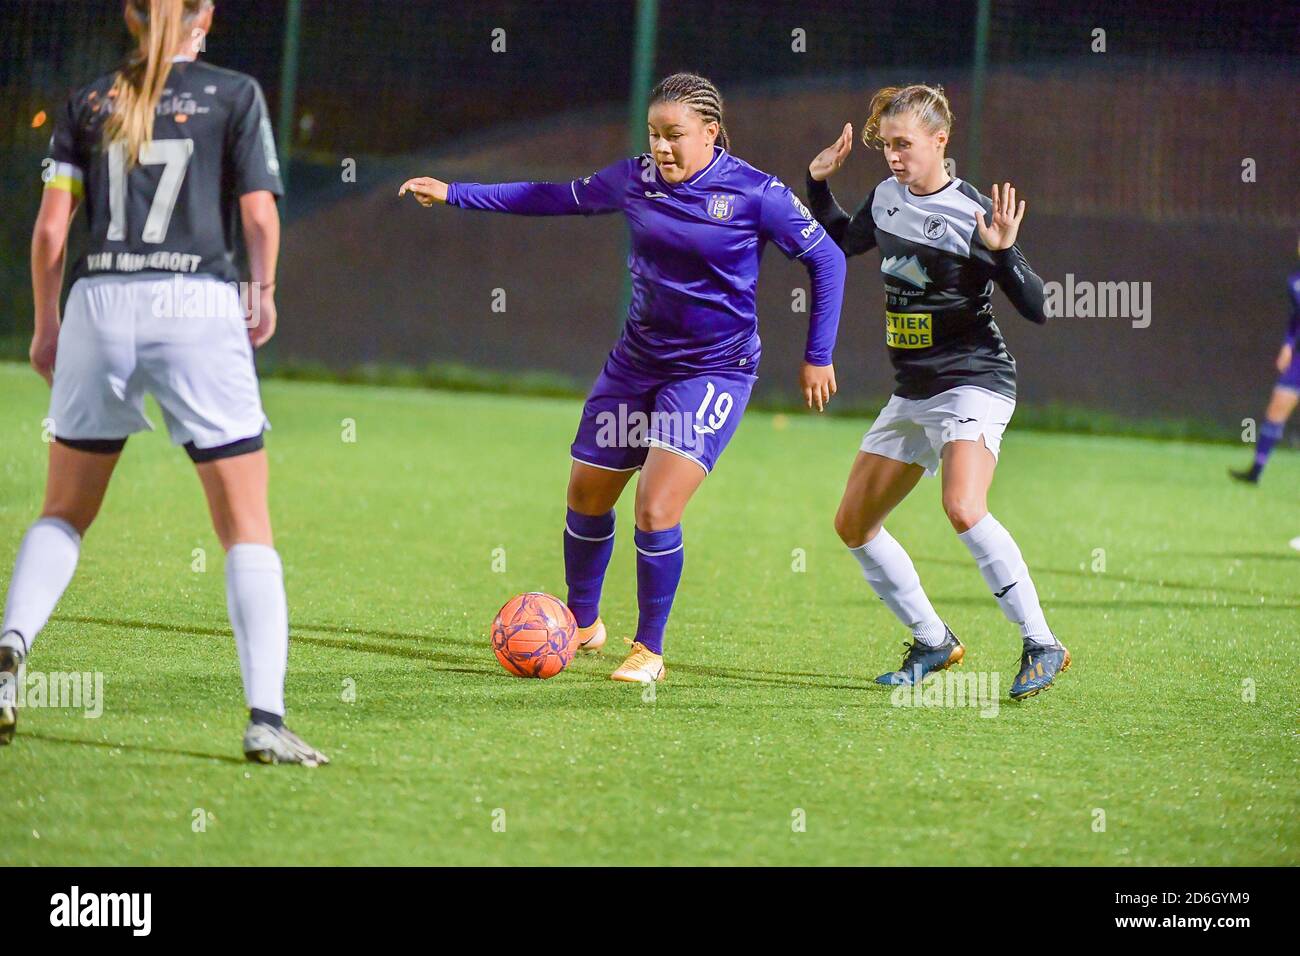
{"x": 268, "y": 147}
{"x": 803, "y": 210}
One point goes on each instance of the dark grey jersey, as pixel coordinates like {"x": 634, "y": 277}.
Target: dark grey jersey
{"x": 177, "y": 210}
{"x": 939, "y": 277}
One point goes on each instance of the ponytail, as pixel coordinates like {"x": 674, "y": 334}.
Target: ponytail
{"x": 158, "y": 27}
{"x": 929, "y": 104}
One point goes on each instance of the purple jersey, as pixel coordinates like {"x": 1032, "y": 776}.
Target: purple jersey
{"x": 1290, "y": 377}
{"x": 695, "y": 255}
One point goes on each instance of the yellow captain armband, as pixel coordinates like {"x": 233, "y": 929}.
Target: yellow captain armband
{"x": 63, "y": 176}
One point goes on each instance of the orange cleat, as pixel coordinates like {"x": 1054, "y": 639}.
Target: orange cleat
{"x": 592, "y": 638}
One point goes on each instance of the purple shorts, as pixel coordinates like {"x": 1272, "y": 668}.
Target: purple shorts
{"x": 1290, "y": 379}
{"x": 631, "y": 410}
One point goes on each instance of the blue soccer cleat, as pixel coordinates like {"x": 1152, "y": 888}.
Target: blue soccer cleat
{"x": 1039, "y": 667}
{"x": 921, "y": 660}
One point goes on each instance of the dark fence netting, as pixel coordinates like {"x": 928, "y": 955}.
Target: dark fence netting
{"x": 1154, "y": 143}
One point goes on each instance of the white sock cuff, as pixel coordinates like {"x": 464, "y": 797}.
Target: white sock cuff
{"x": 253, "y": 557}
{"x": 876, "y": 551}
{"x": 982, "y": 534}
{"x": 61, "y": 525}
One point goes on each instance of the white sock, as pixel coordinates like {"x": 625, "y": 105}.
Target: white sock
{"x": 46, "y": 560}
{"x": 260, "y": 618}
{"x": 893, "y": 577}
{"x": 1004, "y": 570}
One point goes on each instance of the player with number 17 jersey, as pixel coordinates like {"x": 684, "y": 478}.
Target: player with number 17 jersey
{"x": 177, "y": 209}
{"x": 168, "y": 156}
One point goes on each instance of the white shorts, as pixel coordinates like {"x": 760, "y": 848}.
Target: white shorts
{"x": 914, "y": 430}
{"x": 123, "y": 337}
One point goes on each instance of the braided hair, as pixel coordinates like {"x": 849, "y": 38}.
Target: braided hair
{"x": 693, "y": 90}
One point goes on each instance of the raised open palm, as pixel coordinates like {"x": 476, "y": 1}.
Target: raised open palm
{"x": 831, "y": 158}
{"x": 1001, "y": 232}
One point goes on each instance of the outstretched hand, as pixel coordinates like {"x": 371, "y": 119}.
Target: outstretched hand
{"x": 1001, "y": 234}
{"x": 830, "y": 159}
{"x": 426, "y": 190}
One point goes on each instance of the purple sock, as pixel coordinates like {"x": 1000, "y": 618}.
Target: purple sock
{"x": 1269, "y": 433}
{"x": 658, "y": 570}
{"x": 588, "y": 543}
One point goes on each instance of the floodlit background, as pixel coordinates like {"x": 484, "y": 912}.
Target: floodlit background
{"x": 1155, "y": 143}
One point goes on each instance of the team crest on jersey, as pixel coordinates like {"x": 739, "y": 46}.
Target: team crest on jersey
{"x": 935, "y": 226}
{"x": 721, "y": 206}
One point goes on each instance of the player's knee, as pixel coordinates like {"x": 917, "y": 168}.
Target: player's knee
{"x": 655, "y": 514}
{"x": 844, "y": 528}
{"x": 853, "y": 530}
{"x": 79, "y": 515}
{"x": 233, "y": 529}
{"x": 583, "y": 500}
{"x": 963, "y": 511}
{"x": 1280, "y": 408}
{"x": 588, "y": 498}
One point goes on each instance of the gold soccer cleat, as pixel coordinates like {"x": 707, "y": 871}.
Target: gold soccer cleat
{"x": 643, "y": 666}
{"x": 592, "y": 638}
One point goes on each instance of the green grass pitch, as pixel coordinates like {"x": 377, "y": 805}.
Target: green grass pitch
{"x": 1175, "y": 590}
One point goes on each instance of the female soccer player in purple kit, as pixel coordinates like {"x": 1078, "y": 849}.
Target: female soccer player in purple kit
{"x": 677, "y": 381}
{"x": 1286, "y": 391}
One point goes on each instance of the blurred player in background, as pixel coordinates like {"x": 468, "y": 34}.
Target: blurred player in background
{"x": 688, "y": 356}
{"x": 1286, "y": 391}
{"x": 956, "y": 380}
{"x": 154, "y": 308}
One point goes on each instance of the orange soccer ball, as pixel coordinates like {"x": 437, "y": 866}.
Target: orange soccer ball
{"x": 534, "y": 635}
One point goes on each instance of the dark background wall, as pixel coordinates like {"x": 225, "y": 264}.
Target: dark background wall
{"x": 1131, "y": 160}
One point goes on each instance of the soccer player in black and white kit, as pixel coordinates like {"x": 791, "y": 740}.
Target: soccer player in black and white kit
{"x": 943, "y": 245}
{"x": 168, "y": 154}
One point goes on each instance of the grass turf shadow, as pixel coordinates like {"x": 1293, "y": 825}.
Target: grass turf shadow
{"x": 143, "y": 748}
